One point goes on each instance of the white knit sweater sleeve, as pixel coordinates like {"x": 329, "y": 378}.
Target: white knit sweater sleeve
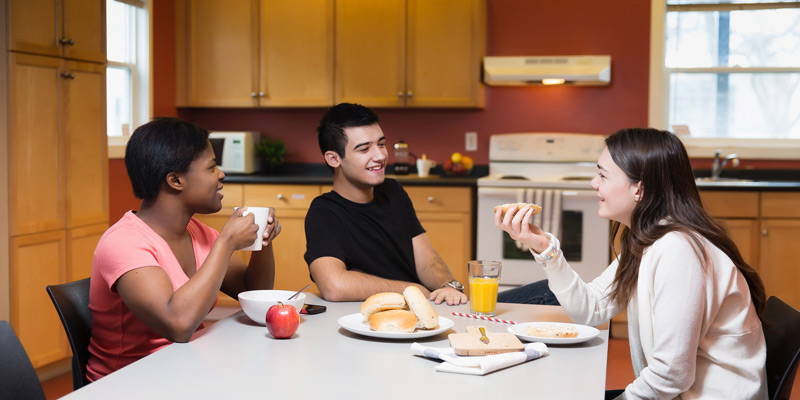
{"x": 585, "y": 303}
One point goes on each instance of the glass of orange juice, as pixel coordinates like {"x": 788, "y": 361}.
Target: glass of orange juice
{"x": 484, "y": 277}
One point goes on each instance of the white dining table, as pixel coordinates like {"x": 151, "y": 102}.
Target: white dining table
{"x": 236, "y": 358}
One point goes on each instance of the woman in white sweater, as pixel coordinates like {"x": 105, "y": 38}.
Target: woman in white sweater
{"x": 693, "y": 304}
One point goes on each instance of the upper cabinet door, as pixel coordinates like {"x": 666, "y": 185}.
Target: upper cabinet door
{"x": 70, "y": 28}
{"x": 217, "y": 56}
{"x": 296, "y": 53}
{"x": 85, "y": 144}
{"x": 446, "y": 45}
{"x": 84, "y": 30}
{"x": 370, "y": 52}
{"x": 36, "y": 195}
{"x": 34, "y": 26}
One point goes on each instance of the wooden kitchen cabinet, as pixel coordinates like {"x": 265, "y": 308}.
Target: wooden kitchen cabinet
{"x": 780, "y": 254}
{"x": 254, "y": 53}
{"x": 739, "y": 211}
{"x": 61, "y": 28}
{"x": 390, "y": 53}
{"x": 446, "y": 215}
{"x": 38, "y": 260}
{"x": 81, "y": 243}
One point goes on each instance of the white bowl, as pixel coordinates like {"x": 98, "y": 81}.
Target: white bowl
{"x": 256, "y": 303}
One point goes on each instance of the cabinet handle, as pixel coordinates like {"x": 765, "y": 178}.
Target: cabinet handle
{"x": 253, "y": 94}
{"x": 400, "y": 95}
{"x": 280, "y": 196}
{"x": 764, "y": 233}
{"x": 408, "y": 94}
{"x": 260, "y": 94}
{"x": 66, "y": 41}
{"x": 431, "y": 199}
{"x": 68, "y": 75}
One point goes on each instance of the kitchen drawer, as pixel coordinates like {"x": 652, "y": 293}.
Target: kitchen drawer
{"x": 440, "y": 199}
{"x": 233, "y": 197}
{"x": 281, "y": 196}
{"x": 780, "y": 205}
{"x": 731, "y": 204}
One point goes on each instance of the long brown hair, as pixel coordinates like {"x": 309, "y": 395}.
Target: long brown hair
{"x": 659, "y": 161}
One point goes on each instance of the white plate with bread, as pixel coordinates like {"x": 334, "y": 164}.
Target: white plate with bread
{"x": 396, "y": 316}
{"x": 355, "y": 323}
{"x": 553, "y": 332}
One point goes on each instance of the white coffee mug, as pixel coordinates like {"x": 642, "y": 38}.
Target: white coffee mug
{"x": 261, "y": 215}
{"x": 424, "y": 167}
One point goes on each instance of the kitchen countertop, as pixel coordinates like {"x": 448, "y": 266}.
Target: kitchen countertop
{"x": 319, "y": 174}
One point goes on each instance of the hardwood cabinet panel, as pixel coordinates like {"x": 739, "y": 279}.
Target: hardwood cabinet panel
{"x": 38, "y": 260}
{"x": 731, "y": 204}
{"x": 440, "y": 199}
{"x": 34, "y": 26}
{"x": 220, "y": 53}
{"x": 81, "y": 243}
{"x": 36, "y": 186}
{"x": 779, "y": 259}
{"x": 445, "y": 78}
{"x": 780, "y": 205}
{"x": 281, "y": 196}
{"x": 85, "y": 144}
{"x": 745, "y": 233}
{"x": 451, "y": 236}
{"x": 83, "y": 19}
{"x": 296, "y": 64}
{"x": 370, "y": 52}
{"x": 291, "y": 271}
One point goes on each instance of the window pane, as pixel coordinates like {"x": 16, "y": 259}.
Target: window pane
{"x": 120, "y": 31}
{"x": 737, "y": 105}
{"x": 753, "y": 38}
{"x": 118, "y": 98}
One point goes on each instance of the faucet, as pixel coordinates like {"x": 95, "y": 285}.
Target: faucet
{"x": 717, "y": 166}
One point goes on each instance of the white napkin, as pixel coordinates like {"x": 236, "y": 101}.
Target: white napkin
{"x": 478, "y": 365}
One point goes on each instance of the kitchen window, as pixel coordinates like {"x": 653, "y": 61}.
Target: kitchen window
{"x": 726, "y": 69}
{"x": 127, "y": 73}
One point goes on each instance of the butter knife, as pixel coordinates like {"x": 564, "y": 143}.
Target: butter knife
{"x": 484, "y": 338}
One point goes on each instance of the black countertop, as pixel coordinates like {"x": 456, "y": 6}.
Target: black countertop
{"x": 320, "y": 174}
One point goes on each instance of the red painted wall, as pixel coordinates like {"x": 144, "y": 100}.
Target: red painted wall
{"x": 514, "y": 27}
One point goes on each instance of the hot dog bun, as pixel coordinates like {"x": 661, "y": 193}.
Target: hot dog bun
{"x": 382, "y": 301}
{"x": 421, "y": 307}
{"x": 552, "y": 331}
{"x": 536, "y": 208}
{"x": 399, "y": 321}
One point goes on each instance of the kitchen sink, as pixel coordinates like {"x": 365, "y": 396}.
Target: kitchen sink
{"x": 722, "y": 180}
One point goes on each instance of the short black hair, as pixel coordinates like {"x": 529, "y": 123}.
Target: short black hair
{"x": 331, "y": 128}
{"x": 159, "y": 147}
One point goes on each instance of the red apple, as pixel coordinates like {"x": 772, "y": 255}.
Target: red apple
{"x": 448, "y": 165}
{"x": 282, "y": 320}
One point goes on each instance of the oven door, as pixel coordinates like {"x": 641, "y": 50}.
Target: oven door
{"x": 584, "y": 237}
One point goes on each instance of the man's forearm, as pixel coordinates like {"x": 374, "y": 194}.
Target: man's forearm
{"x": 357, "y": 286}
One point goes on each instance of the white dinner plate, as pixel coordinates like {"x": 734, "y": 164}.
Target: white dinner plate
{"x": 584, "y": 333}
{"x": 355, "y": 323}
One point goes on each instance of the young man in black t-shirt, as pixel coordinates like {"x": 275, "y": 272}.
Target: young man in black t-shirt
{"x": 364, "y": 237}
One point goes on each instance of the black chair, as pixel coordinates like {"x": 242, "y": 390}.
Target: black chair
{"x": 72, "y": 303}
{"x": 781, "y": 324}
{"x": 18, "y": 379}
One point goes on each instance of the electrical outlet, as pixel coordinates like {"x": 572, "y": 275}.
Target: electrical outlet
{"x": 471, "y": 141}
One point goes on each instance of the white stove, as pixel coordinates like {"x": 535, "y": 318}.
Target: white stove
{"x": 554, "y": 171}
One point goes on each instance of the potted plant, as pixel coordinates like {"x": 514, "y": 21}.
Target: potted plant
{"x": 271, "y": 152}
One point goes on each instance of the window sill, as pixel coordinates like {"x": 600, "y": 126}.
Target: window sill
{"x": 755, "y": 149}
{"x": 116, "y": 147}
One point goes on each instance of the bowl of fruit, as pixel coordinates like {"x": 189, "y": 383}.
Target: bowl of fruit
{"x": 458, "y": 165}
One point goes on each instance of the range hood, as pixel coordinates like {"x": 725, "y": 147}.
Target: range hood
{"x": 547, "y": 70}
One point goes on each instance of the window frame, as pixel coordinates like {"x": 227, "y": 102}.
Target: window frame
{"x": 142, "y": 97}
{"x": 658, "y": 104}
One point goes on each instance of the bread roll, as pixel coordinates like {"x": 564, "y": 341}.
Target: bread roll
{"x": 552, "y": 331}
{"x": 381, "y": 302}
{"x": 536, "y": 208}
{"x": 397, "y": 321}
{"x": 421, "y": 307}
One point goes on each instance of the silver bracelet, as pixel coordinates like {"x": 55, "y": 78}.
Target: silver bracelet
{"x": 550, "y": 252}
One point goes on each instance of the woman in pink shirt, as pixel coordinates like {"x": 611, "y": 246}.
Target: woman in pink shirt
{"x": 156, "y": 272}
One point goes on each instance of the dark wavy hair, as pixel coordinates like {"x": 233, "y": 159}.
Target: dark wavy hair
{"x": 330, "y": 133}
{"x": 159, "y": 147}
{"x": 659, "y": 161}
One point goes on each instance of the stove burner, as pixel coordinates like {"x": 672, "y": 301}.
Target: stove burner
{"x": 517, "y": 177}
